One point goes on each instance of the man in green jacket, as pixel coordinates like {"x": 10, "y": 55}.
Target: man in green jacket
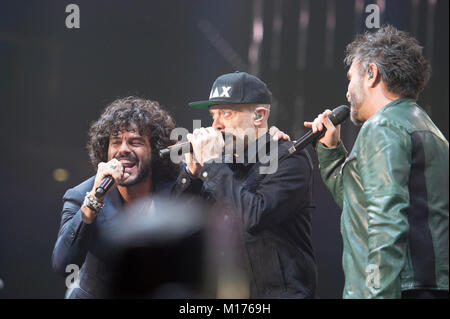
{"x": 393, "y": 186}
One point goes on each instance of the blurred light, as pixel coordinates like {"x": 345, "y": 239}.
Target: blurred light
{"x": 233, "y": 284}
{"x": 303, "y": 25}
{"x": 329, "y": 33}
{"x": 254, "y": 50}
{"x": 299, "y": 112}
{"x": 331, "y": 16}
{"x": 382, "y": 5}
{"x": 304, "y": 18}
{"x": 61, "y": 175}
{"x": 2, "y": 284}
{"x": 258, "y": 30}
{"x": 429, "y": 44}
{"x": 276, "y": 35}
{"x": 359, "y": 6}
{"x": 359, "y": 21}
{"x": 415, "y": 17}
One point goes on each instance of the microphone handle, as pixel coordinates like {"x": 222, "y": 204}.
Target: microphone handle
{"x": 177, "y": 147}
{"x": 106, "y": 183}
{"x": 306, "y": 139}
{"x": 337, "y": 116}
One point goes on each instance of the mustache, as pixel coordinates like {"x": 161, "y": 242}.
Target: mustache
{"x": 129, "y": 156}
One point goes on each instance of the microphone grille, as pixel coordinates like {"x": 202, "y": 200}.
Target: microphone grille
{"x": 339, "y": 114}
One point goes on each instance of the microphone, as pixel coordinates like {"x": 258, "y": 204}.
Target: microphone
{"x": 337, "y": 116}
{"x": 180, "y": 146}
{"x": 177, "y": 147}
{"x": 106, "y": 183}
{"x": 104, "y": 186}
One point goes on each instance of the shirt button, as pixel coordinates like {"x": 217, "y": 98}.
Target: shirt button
{"x": 205, "y": 174}
{"x": 183, "y": 180}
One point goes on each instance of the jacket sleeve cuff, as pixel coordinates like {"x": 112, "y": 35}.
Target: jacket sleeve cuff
{"x": 209, "y": 172}
{"x": 186, "y": 182}
{"x": 79, "y": 229}
{"x": 184, "y": 179}
{"x": 328, "y": 154}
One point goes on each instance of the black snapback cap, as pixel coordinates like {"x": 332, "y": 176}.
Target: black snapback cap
{"x": 236, "y": 88}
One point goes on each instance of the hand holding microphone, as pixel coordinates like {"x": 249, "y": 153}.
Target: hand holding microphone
{"x": 108, "y": 175}
{"x": 207, "y": 143}
{"x": 325, "y": 128}
{"x": 203, "y": 145}
{"x": 329, "y": 123}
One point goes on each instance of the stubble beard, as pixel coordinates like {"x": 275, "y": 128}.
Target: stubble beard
{"x": 143, "y": 173}
{"x": 355, "y": 106}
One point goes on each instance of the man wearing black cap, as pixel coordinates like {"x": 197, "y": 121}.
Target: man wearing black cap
{"x": 271, "y": 205}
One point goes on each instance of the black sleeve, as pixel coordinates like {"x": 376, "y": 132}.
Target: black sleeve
{"x": 186, "y": 185}
{"x": 74, "y": 235}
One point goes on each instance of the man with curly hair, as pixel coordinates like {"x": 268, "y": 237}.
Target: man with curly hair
{"x": 123, "y": 143}
{"x": 393, "y": 186}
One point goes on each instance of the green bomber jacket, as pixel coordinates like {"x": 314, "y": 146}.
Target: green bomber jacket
{"x": 393, "y": 191}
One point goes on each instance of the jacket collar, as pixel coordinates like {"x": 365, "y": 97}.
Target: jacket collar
{"x": 395, "y": 102}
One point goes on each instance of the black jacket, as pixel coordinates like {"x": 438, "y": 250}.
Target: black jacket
{"x": 274, "y": 215}
{"x": 78, "y": 243}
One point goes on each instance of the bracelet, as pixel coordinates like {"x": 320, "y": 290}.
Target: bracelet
{"x": 92, "y": 203}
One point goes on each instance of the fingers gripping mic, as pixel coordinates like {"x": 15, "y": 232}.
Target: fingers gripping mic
{"x": 106, "y": 183}
{"x": 337, "y": 116}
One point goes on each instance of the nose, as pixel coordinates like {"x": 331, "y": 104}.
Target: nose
{"x": 123, "y": 149}
{"x": 218, "y": 124}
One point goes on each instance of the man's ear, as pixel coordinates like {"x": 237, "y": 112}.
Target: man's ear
{"x": 373, "y": 75}
{"x": 259, "y": 115}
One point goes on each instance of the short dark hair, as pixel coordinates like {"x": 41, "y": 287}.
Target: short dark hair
{"x": 398, "y": 57}
{"x": 150, "y": 119}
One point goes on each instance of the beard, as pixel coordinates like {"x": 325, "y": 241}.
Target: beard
{"x": 143, "y": 172}
{"x": 353, "y": 117}
{"x": 356, "y": 101}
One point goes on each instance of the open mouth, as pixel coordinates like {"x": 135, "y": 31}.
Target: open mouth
{"x": 128, "y": 166}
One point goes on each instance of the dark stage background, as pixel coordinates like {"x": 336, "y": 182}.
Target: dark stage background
{"x": 55, "y": 81}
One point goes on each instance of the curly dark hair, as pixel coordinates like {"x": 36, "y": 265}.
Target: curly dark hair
{"x": 398, "y": 57}
{"x": 150, "y": 119}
